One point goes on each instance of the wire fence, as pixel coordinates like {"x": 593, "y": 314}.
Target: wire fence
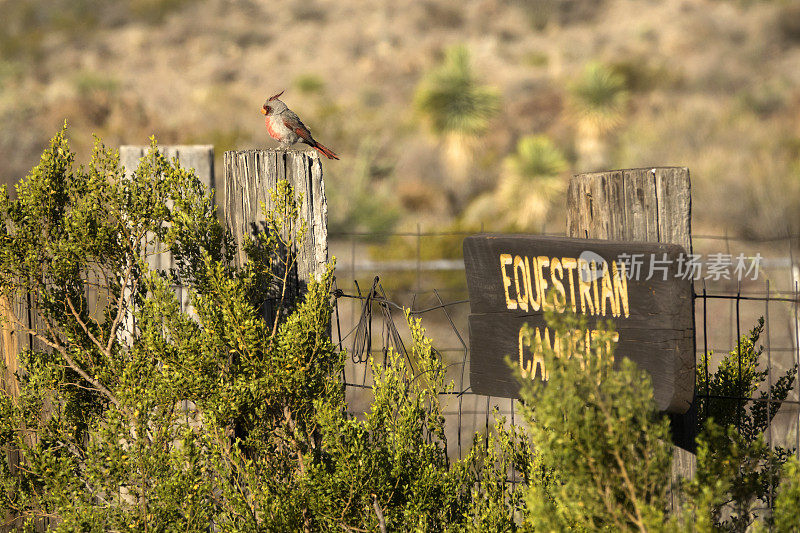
{"x": 367, "y": 322}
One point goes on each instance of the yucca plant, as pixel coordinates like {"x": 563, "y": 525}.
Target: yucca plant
{"x": 532, "y": 179}
{"x": 597, "y": 101}
{"x": 598, "y": 98}
{"x": 536, "y": 156}
{"x": 456, "y": 106}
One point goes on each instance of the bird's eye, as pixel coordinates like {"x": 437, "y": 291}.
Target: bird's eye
{"x": 268, "y": 109}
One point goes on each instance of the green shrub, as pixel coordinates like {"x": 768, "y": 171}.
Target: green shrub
{"x": 309, "y": 83}
{"x": 602, "y": 456}
{"x": 363, "y": 199}
{"x": 730, "y": 489}
{"x": 787, "y": 502}
{"x": 738, "y": 376}
{"x": 137, "y": 415}
{"x": 736, "y": 469}
{"x": 602, "y": 452}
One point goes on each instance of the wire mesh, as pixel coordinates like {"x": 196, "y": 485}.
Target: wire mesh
{"x": 369, "y": 323}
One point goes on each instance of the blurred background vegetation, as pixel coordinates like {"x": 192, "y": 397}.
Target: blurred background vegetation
{"x": 450, "y": 115}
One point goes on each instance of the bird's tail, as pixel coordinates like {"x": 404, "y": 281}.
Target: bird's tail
{"x": 329, "y": 153}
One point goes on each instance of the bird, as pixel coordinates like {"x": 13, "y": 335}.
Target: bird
{"x": 285, "y": 126}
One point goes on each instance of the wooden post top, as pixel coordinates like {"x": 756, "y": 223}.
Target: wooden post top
{"x": 248, "y": 177}
{"x": 639, "y": 204}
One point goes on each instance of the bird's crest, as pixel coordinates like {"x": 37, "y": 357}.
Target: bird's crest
{"x": 276, "y": 96}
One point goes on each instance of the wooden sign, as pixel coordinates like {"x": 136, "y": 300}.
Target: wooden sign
{"x": 643, "y": 288}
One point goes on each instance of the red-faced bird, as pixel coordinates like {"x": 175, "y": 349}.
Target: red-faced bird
{"x": 285, "y": 126}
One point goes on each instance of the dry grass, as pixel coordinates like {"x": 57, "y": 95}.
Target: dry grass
{"x": 714, "y": 85}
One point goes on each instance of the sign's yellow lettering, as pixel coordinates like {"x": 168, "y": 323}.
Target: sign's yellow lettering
{"x": 584, "y": 288}
{"x": 519, "y": 271}
{"x": 535, "y": 303}
{"x": 505, "y": 260}
{"x": 621, "y": 288}
{"x": 541, "y": 262}
{"x": 534, "y": 342}
{"x": 569, "y": 264}
{"x": 607, "y": 294}
{"x": 594, "y": 289}
{"x": 556, "y": 275}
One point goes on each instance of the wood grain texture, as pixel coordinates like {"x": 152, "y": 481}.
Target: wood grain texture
{"x": 19, "y": 317}
{"x": 644, "y": 205}
{"x": 16, "y": 338}
{"x": 10, "y": 346}
{"x": 641, "y": 204}
{"x": 249, "y": 175}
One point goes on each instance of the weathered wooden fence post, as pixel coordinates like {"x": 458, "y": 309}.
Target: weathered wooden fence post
{"x": 16, "y": 338}
{"x": 249, "y": 175}
{"x": 199, "y": 157}
{"x": 646, "y": 205}
{"x": 13, "y": 337}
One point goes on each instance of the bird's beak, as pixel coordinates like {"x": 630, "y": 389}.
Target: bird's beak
{"x": 263, "y": 111}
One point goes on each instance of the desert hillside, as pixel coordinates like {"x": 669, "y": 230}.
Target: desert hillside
{"x": 565, "y": 87}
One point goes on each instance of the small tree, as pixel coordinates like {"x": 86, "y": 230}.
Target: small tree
{"x": 597, "y": 101}
{"x": 602, "y": 451}
{"x": 457, "y": 107}
{"x": 739, "y": 375}
{"x": 736, "y": 470}
{"x": 531, "y": 182}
